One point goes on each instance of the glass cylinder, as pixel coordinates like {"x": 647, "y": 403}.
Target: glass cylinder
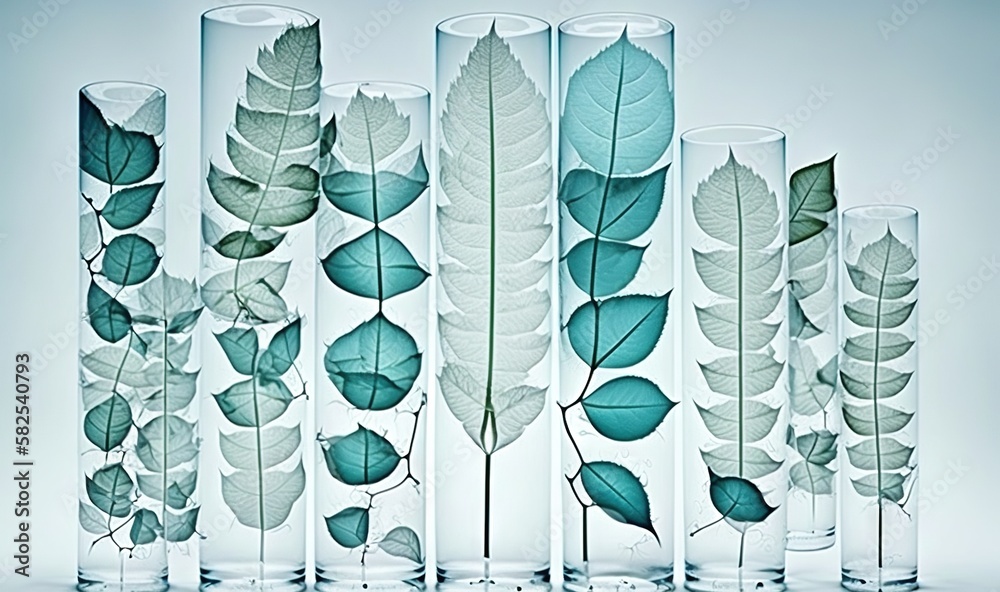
{"x": 878, "y": 367}
{"x": 734, "y": 349}
{"x": 812, "y": 357}
{"x": 616, "y": 276}
{"x": 373, "y": 244}
{"x": 122, "y": 365}
{"x": 494, "y": 224}
{"x": 260, "y": 145}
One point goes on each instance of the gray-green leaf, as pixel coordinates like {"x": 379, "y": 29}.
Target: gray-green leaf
{"x": 256, "y": 293}
{"x": 263, "y": 501}
{"x": 110, "y": 489}
{"x": 811, "y": 198}
{"x": 725, "y": 421}
{"x": 248, "y": 449}
{"x": 180, "y": 527}
{"x": 723, "y": 460}
{"x": 402, "y": 542}
{"x": 165, "y": 442}
{"x": 255, "y": 402}
{"x": 129, "y": 259}
{"x": 146, "y": 527}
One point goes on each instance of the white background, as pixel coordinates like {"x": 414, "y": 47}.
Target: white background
{"x": 905, "y": 92}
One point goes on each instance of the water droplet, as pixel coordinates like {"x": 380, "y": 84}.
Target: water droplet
{"x": 518, "y": 589}
{"x": 365, "y": 586}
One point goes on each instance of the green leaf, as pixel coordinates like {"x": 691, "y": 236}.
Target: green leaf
{"x": 327, "y": 136}
{"x": 618, "y": 332}
{"x": 402, "y": 542}
{"x": 723, "y": 460}
{"x": 146, "y": 527}
{"x": 108, "y": 424}
{"x": 276, "y": 444}
{"x": 817, "y": 448}
{"x": 91, "y": 519}
{"x": 608, "y": 117}
{"x": 861, "y": 419}
{"x": 737, "y": 499}
{"x": 110, "y": 489}
{"x": 129, "y": 259}
{"x": 274, "y": 206}
{"x": 760, "y": 374}
{"x": 888, "y": 454}
{"x": 360, "y": 458}
{"x": 282, "y": 351}
{"x": 111, "y": 154}
{"x": 866, "y": 313}
{"x": 630, "y": 204}
{"x": 180, "y": 527}
{"x": 256, "y": 292}
{"x": 610, "y": 265}
{"x": 130, "y": 206}
{"x": 263, "y": 501}
{"x": 618, "y": 492}
{"x": 493, "y": 223}
{"x": 374, "y": 265}
{"x": 375, "y": 365}
{"x": 889, "y": 487}
{"x": 828, "y": 373}
{"x": 864, "y": 382}
{"x": 392, "y": 192}
{"x": 799, "y": 325}
{"x": 255, "y": 402}
{"x": 627, "y": 408}
{"x": 811, "y": 198}
{"x": 242, "y": 244}
{"x": 240, "y": 347}
{"x": 725, "y": 421}
{"x": 349, "y": 527}
{"x": 109, "y": 318}
{"x": 165, "y": 442}
{"x": 812, "y": 478}
{"x": 180, "y": 487}
{"x": 890, "y": 346}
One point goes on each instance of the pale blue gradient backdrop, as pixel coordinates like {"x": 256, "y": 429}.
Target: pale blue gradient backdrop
{"x": 826, "y": 73}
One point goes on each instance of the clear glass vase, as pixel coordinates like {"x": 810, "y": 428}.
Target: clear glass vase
{"x": 494, "y": 167}
{"x": 878, "y": 378}
{"x": 373, "y": 245}
{"x": 616, "y": 276}
{"x": 735, "y": 344}
{"x": 123, "y": 363}
{"x": 813, "y": 247}
{"x": 260, "y": 134}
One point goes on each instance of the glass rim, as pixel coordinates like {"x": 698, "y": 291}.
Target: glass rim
{"x": 446, "y": 26}
{"x": 89, "y": 88}
{"x": 416, "y": 91}
{"x": 767, "y": 134}
{"x": 881, "y": 212}
{"x": 215, "y": 14}
{"x": 668, "y": 27}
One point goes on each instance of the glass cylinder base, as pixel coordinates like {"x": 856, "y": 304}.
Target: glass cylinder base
{"x": 375, "y": 579}
{"x": 516, "y": 576}
{"x": 235, "y": 577}
{"x": 888, "y": 580}
{"x": 651, "y": 581}
{"x": 811, "y": 541}
{"x": 108, "y": 582}
{"x": 712, "y": 580}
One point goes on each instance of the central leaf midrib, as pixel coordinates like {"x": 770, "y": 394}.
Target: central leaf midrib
{"x": 877, "y": 360}
{"x": 489, "y": 419}
{"x": 375, "y": 218}
{"x": 260, "y": 463}
{"x": 739, "y": 308}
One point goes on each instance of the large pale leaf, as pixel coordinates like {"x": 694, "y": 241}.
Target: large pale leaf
{"x": 887, "y": 486}
{"x": 734, "y": 205}
{"x": 263, "y": 501}
{"x": 165, "y": 442}
{"x": 244, "y": 449}
{"x": 861, "y": 418}
{"x": 812, "y": 478}
{"x": 371, "y": 130}
{"x": 885, "y": 453}
{"x": 808, "y": 394}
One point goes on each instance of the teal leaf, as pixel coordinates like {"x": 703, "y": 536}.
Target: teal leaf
{"x": 255, "y": 291}
{"x": 131, "y": 205}
{"x": 107, "y": 425}
{"x": 375, "y": 365}
{"x": 618, "y": 492}
{"x": 861, "y": 419}
{"x": 627, "y": 408}
{"x": 818, "y": 448}
{"x": 890, "y": 346}
{"x": 619, "y": 113}
{"x": 402, "y": 542}
{"x": 723, "y": 460}
{"x": 374, "y": 265}
{"x": 738, "y": 499}
{"x": 274, "y": 206}
{"x": 282, "y": 351}
{"x": 240, "y": 347}
{"x": 110, "y": 489}
{"x": 129, "y": 259}
{"x": 165, "y": 442}
{"x": 726, "y": 422}
{"x": 885, "y": 453}
{"x": 263, "y": 501}
{"x": 255, "y": 402}
{"x": 811, "y": 198}
{"x": 91, "y": 519}
{"x": 866, "y": 381}
{"x": 180, "y": 487}
{"x": 349, "y": 527}
{"x": 327, "y": 136}
{"x": 888, "y": 487}
{"x": 109, "y": 318}
{"x": 760, "y": 372}
{"x": 274, "y": 445}
{"x": 618, "y": 332}
{"x": 242, "y": 244}
{"x": 360, "y": 458}
{"x": 146, "y": 527}
{"x": 358, "y": 194}
{"x": 630, "y": 204}
{"x": 812, "y": 478}
{"x": 603, "y": 267}
{"x": 111, "y": 154}
{"x": 179, "y": 527}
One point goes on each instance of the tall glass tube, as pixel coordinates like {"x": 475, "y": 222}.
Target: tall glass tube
{"x": 494, "y": 224}
{"x": 878, "y": 377}
{"x": 373, "y": 244}
{"x": 122, "y": 365}
{"x": 812, "y": 357}
{"x": 616, "y": 276}
{"x": 260, "y": 134}
{"x": 734, "y": 349}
